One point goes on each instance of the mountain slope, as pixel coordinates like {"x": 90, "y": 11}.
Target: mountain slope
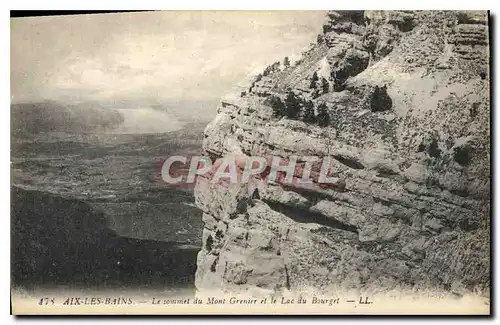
{"x": 400, "y": 101}
{"x": 50, "y": 116}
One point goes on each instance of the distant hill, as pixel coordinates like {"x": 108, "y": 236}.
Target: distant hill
{"x": 46, "y": 116}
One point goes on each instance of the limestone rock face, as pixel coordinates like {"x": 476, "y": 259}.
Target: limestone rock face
{"x": 407, "y": 98}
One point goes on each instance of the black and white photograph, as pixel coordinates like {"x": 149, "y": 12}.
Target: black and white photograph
{"x": 251, "y": 162}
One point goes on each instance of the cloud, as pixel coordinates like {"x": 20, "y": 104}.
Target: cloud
{"x": 156, "y": 56}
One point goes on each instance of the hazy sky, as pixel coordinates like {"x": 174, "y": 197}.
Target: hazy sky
{"x": 150, "y": 56}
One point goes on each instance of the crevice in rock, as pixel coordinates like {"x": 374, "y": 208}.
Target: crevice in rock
{"x": 255, "y": 195}
{"x": 287, "y": 278}
{"x": 339, "y": 87}
{"x": 386, "y": 173}
{"x": 305, "y": 216}
{"x": 460, "y": 192}
{"x": 468, "y": 224}
{"x": 406, "y": 26}
{"x": 246, "y": 239}
{"x": 349, "y": 162}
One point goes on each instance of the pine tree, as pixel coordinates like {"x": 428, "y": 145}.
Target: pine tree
{"x": 286, "y": 62}
{"x": 292, "y": 105}
{"x": 275, "y": 67}
{"x": 314, "y": 80}
{"x": 323, "y": 118}
{"x": 380, "y": 100}
{"x": 308, "y": 115}
{"x": 279, "y": 109}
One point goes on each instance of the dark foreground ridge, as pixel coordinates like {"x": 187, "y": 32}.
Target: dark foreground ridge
{"x": 57, "y": 241}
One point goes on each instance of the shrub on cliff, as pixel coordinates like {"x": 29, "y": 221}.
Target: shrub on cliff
{"x": 286, "y": 62}
{"x": 325, "y": 86}
{"x": 308, "y": 114}
{"x": 272, "y": 69}
{"x": 353, "y": 63}
{"x": 314, "y": 80}
{"x": 323, "y": 118}
{"x": 380, "y": 100}
{"x": 320, "y": 39}
{"x": 279, "y": 109}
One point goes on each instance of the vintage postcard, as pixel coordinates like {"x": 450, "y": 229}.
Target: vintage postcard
{"x": 251, "y": 162}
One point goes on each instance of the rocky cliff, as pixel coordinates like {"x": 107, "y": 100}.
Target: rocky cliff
{"x": 400, "y": 101}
